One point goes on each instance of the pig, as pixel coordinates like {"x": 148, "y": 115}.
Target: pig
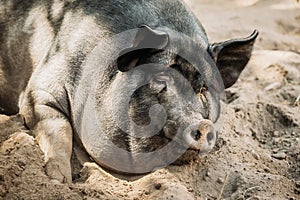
{"x": 135, "y": 83}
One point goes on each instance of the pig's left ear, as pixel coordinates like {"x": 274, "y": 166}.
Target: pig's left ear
{"x": 146, "y": 41}
{"x": 232, "y": 56}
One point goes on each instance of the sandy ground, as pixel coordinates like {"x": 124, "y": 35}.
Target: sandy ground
{"x": 258, "y": 153}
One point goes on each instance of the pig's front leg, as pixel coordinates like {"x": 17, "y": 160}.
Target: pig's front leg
{"x": 55, "y": 139}
{"x": 53, "y": 132}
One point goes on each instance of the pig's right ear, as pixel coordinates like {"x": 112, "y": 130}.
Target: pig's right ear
{"x": 232, "y": 56}
{"x": 146, "y": 41}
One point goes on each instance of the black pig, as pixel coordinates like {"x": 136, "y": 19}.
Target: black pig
{"x": 135, "y": 82}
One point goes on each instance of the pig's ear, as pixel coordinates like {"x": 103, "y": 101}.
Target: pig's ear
{"x": 232, "y": 56}
{"x": 146, "y": 41}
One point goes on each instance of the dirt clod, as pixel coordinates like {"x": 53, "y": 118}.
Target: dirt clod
{"x": 279, "y": 156}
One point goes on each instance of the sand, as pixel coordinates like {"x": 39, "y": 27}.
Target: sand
{"x": 258, "y": 153}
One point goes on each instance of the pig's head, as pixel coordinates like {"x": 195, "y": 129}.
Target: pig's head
{"x": 165, "y": 97}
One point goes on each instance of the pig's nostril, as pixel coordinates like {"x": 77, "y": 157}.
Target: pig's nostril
{"x": 196, "y": 134}
{"x": 209, "y": 136}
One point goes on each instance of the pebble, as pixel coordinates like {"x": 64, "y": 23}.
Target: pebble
{"x": 276, "y": 134}
{"x": 273, "y": 86}
{"x": 220, "y": 180}
{"x": 189, "y": 189}
{"x": 255, "y": 155}
{"x": 279, "y": 156}
{"x": 267, "y": 169}
{"x": 207, "y": 174}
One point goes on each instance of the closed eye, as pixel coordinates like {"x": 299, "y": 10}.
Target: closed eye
{"x": 191, "y": 75}
{"x": 203, "y": 98}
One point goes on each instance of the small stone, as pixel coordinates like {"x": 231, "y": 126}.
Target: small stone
{"x": 255, "y": 155}
{"x": 267, "y": 169}
{"x": 190, "y": 189}
{"x": 293, "y": 134}
{"x": 276, "y": 133}
{"x": 279, "y": 156}
{"x": 220, "y": 180}
{"x": 297, "y": 183}
{"x": 207, "y": 174}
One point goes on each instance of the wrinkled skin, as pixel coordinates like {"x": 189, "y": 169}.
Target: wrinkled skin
{"x": 55, "y": 56}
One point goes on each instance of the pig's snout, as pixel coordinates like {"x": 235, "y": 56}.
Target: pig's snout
{"x": 202, "y": 136}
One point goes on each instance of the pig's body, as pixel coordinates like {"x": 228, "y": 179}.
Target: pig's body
{"x": 60, "y": 52}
